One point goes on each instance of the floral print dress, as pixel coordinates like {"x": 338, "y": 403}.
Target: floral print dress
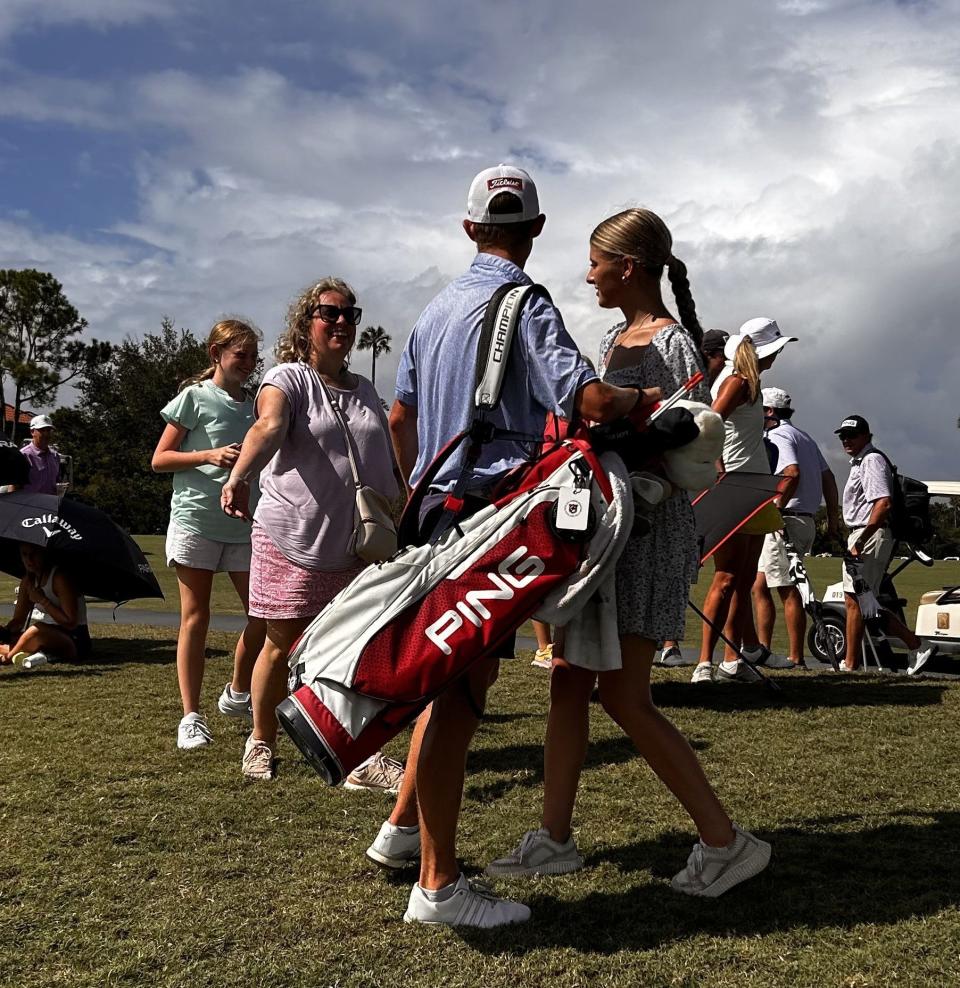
{"x": 655, "y": 571}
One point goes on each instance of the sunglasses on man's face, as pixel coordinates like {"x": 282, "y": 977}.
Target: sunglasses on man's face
{"x": 331, "y": 313}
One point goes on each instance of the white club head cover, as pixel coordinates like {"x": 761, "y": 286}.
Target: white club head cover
{"x": 694, "y": 466}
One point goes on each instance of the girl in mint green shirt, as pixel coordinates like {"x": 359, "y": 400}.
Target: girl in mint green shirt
{"x": 206, "y": 424}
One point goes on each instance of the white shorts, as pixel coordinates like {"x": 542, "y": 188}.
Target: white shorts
{"x": 774, "y": 562}
{"x": 199, "y": 552}
{"x": 874, "y": 557}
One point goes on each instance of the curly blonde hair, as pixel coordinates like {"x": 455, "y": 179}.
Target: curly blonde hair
{"x": 294, "y": 342}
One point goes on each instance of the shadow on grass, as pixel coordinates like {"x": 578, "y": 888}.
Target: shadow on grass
{"x": 108, "y": 654}
{"x": 819, "y": 876}
{"x": 797, "y": 694}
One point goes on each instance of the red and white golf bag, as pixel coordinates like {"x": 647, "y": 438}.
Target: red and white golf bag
{"x": 405, "y": 629}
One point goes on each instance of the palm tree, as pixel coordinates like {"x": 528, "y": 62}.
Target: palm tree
{"x": 377, "y": 340}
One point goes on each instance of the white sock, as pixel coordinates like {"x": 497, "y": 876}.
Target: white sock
{"x": 439, "y": 895}
{"x": 729, "y": 666}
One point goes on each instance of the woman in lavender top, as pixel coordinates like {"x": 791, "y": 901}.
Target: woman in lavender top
{"x": 304, "y": 521}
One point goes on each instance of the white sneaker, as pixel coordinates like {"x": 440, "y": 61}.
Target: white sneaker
{"x": 742, "y": 673}
{"x": 258, "y": 760}
{"x": 378, "y": 774}
{"x": 543, "y": 657}
{"x": 472, "y": 904}
{"x": 762, "y": 656}
{"x": 917, "y": 658}
{"x": 233, "y": 704}
{"x": 193, "y": 732}
{"x": 711, "y": 871}
{"x": 703, "y": 673}
{"x": 394, "y": 847}
{"x": 37, "y": 659}
{"x": 538, "y": 854}
{"x": 673, "y": 658}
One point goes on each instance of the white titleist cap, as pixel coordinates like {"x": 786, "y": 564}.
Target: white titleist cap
{"x": 776, "y": 398}
{"x": 503, "y": 178}
{"x": 40, "y": 422}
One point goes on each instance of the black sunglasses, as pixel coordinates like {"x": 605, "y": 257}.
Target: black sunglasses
{"x": 331, "y": 313}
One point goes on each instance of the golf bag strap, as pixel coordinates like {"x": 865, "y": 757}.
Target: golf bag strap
{"x": 500, "y": 321}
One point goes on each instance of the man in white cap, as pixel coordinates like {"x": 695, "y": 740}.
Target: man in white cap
{"x": 810, "y": 481}
{"x": 44, "y": 461}
{"x": 435, "y": 386}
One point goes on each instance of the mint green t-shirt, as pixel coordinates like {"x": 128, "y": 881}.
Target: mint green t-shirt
{"x": 212, "y": 419}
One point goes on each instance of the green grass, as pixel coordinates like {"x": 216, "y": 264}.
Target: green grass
{"x": 126, "y": 862}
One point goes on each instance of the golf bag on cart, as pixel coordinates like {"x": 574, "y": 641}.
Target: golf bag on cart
{"x": 404, "y": 630}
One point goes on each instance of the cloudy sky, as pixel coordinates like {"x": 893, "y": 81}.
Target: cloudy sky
{"x": 168, "y": 157}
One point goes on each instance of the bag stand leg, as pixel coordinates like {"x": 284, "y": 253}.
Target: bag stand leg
{"x": 766, "y": 680}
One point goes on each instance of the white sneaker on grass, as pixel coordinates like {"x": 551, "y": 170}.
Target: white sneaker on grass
{"x": 703, "y": 673}
{"x": 233, "y": 704}
{"x": 711, "y": 871}
{"x": 469, "y": 904}
{"x": 377, "y": 774}
{"x": 193, "y": 732}
{"x": 258, "y": 760}
{"x": 737, "y": 672}
{"x": 395, "y": 847}
{"x": 917, "y": 658}
{"x": 538, "y": 854}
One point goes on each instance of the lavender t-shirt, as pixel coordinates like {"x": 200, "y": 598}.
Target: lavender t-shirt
{"x": 307, "y": 493}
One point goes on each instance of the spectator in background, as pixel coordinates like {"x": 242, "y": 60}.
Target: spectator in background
{"x": 711, "y": 349}
{"x": 810, "y": 481}
{"x": 43, "y": 459}
{"x": 867, "y": 502}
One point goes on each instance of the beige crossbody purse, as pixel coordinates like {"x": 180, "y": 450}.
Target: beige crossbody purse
{"x": 374, "y": 532}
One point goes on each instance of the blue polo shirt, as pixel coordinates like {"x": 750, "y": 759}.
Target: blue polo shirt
{"x": 437, "y": 372}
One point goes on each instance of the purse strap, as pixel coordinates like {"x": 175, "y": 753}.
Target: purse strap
{"x": 342, "y": 422}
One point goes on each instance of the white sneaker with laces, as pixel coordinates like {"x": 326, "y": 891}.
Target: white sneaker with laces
{"x": 703, "y": 673}
{"x": 741, "y": 674}
{"x": 538, "y": 854}
{"x": 917, "y": 658}
{"x": 193, "y": 732}
{"x": 395, "y": 847}
{"x": 233, "y": 704}
{"x": 258, "y": 760}
{"x": 378, "y": 773}
{"x": 711, "y": 871}
{"x": 471, "y": 904}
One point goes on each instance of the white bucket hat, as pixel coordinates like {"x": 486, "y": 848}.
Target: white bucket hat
{"x": 765, "y": 334}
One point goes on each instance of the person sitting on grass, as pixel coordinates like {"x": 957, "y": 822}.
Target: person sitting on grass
{"x": 56, "y": 627}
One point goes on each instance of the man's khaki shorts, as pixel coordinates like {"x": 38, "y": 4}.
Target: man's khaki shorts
{"x": 874, "y": 557}
{"x": 774, "y": 562}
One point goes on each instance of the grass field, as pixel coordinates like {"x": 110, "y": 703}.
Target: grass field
{"x": 126, "y": 862}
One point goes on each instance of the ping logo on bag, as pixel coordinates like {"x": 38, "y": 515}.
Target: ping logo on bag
{"x": 505, "y": 584}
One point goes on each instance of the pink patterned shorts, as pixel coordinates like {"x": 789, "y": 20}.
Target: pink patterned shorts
{"x": 281, "y": 590}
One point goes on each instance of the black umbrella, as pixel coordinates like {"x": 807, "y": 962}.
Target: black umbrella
{"x": 104, "y": 560}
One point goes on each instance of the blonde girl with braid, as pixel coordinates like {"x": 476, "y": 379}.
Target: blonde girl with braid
{"x": 205, "y": 427}
{"x": 629, "y": 254}
{"x": 736, "y": 396}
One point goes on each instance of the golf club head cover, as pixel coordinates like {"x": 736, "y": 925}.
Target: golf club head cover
{"x": 693, "y": 465}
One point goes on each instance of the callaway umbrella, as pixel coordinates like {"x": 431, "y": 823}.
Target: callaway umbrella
{"x": 104, "y": 560}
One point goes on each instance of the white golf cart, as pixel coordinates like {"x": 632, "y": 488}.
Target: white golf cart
{"x": 938, "y": 614}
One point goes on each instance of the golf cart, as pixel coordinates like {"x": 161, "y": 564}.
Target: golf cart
{"x": 938, "y": 615}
